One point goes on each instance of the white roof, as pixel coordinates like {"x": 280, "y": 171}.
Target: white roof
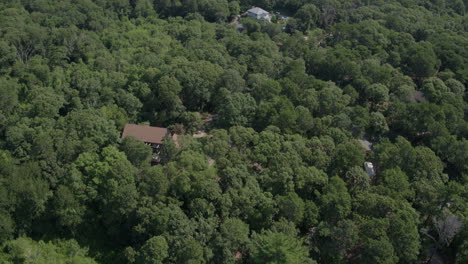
{"x": 366, "y": 144}
{"x": 257, "y": 11}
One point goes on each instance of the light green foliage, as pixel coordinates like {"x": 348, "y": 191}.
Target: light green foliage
{"x": 26, "y": 250}
{"x": 234, "y": 236}
{"x": 394, "y": 183}
{"x": 274, "y": 247}
{"x": 404, "y": 235}
{"x": 419, "y": 163}
{"x": 377, "y": 93}
{"x": 8, "y": 101}
{"x": 6, "y": 227}
{"x": 455, "y": 86}
{"x": 118, "y": 182}
{"x": 218, "y": 146}
{"x": 236, "y": 109}
{"x": 262, "y": 87}
{"x": 250, "y": 25}
{"x": 232, "y": 80}
{"x": 331, "y": 99}
{"x": 243, "y": 137}
{"x": 144, "y": 8}
{"x": 348, "y": 155}
{"x": 378, "y": 124}
{"x": 166, "y": 98}
{"x": 435, "y": 89}
{"x": 198, "y": 80}
{"x": 154, "y": 251}
{"x": 234, "y": 8}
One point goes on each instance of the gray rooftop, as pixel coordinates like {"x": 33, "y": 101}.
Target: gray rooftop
{"x": 257, "y": 11}
{"x": 366, "y": 144}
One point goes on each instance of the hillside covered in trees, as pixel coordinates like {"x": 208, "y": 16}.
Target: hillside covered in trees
{"x": 277, "y": 175}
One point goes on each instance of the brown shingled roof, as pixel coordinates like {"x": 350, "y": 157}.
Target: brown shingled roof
{"x": 146, "y": 134}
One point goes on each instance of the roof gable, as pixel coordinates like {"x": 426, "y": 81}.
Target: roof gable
{"x": 146, "y": 134}
{"x": 257, "y": 11}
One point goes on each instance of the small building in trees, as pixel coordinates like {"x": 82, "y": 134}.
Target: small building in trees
{"x": 258, "y": 14}
{"x": 366, "y": 144}
{"x": 152, "y": 136}
{"x": 369, "y": 167}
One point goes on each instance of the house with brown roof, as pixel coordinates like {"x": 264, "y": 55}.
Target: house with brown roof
{"x": 152, "y": 136}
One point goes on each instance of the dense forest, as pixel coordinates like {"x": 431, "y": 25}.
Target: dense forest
{"x": 271, "y": 121}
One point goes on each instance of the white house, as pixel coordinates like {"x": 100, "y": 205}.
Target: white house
{"x": 369, "y": 169}
{"x": 367, "y": 145}
{"x": 259, "y": 13}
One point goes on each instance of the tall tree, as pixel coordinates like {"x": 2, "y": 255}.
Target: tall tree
{"x": 274, "y": 247}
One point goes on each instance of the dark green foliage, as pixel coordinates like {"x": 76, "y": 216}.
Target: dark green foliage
{"x": 308, "y": 16}
{"x": 267, "y": 163}
{"x": 421, "y": 60}
{"x": 136, "y": 151}
{"x": 168, "y": 150}
{"x": 189, "y": 252}
{"x": 379, "y": 251}
{"x": 335, "y": 202}
{"x": 291, "y": 207}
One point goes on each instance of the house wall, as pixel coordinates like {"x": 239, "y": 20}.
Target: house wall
{"x": 263, "y": 16}
{"x": 252, "y": 15}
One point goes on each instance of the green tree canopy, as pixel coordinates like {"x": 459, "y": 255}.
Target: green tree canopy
{"x": 273, "y": 247}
